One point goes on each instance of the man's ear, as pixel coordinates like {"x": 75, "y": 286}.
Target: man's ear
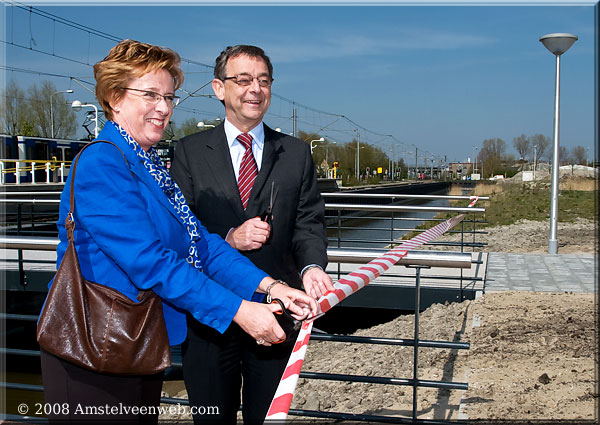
{"x": 219, "y": 88}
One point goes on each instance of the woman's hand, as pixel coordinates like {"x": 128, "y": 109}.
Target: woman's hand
{"x": 258, "y": 321}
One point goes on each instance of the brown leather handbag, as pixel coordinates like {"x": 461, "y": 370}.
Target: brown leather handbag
{"x": 97, "y": 327}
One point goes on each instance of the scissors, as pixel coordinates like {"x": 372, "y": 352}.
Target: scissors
{"x": 285, "y": 319}
{"x": 268, "y": 215}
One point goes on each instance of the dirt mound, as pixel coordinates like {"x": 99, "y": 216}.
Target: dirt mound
{"x": 543, "y": 172}
{"x": 531, "y": 356}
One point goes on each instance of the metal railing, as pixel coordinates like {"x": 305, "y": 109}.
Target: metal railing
{"x": 417, "y": 259}
{"x": 392, "y": 215}
{"x": 25, "y": 170}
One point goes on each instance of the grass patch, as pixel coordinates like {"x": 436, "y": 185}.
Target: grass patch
{"x": 510, "y": 203}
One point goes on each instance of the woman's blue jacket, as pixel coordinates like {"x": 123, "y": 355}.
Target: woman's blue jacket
{"x": 128, "y": 237}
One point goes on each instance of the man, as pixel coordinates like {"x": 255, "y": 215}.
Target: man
{"x": 229, "y": 176}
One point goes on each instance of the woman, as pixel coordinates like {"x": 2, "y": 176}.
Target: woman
{"x": 134, "y": 232}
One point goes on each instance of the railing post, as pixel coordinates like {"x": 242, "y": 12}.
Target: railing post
{"x": 33, "y": 172}
{"x": 1, "y": 172}
{"x": 473, "y": 240}
{"x": 416, "y": 337}
{"x": 20, "y": 251}
{"x": 339, "y": 241}
{"x": 62, "y": 172}
{"x": 47, "y": 172}
{"x": 17, "y": 172}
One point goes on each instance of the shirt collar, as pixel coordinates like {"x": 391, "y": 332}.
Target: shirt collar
{"x": 257, "y": 133}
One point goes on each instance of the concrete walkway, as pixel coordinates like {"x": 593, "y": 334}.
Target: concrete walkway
{"x": 541, "y": 272}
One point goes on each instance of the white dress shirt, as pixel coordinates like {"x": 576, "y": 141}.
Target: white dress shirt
{"x": 236, "y": 149}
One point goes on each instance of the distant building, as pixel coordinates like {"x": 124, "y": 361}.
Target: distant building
{"x": 458, "y": 169}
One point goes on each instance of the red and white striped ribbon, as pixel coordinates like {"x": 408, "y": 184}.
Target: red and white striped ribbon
{"x": 345, "y": 287}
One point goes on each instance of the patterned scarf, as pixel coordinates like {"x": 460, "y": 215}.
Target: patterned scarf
{"x": 157, "y": 169}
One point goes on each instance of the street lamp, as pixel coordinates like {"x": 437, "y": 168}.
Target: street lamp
{"x": 314, "y": 141}
{"x": 557, "y": 44}
{"x": 202, "y": 125}
{"x": 51, "y": 107}
{"x": 357, "y": 154}
{"x": 77, "y": 105}
{"x": 534, "y": 160}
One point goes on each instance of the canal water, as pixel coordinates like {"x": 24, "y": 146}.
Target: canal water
{"x": 375, "y": 230}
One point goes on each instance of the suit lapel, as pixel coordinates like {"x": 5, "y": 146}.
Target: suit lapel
{"x": 270, "y": 154}
{"x": 217, "y": 158}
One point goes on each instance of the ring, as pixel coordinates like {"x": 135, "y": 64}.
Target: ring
{"x": 260, "y": 341}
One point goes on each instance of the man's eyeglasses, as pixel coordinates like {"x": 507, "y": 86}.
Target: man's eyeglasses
{"x": 246, "y": 80}
{"x": 153, "y": 97}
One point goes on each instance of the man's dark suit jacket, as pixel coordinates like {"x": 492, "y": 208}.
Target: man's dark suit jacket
{"x": 203, "y": 170}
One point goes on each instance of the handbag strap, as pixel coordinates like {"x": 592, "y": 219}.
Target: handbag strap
{"x": 70, "y": 221}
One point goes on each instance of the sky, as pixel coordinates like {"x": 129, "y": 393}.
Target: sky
{"x": 441, "y": 78}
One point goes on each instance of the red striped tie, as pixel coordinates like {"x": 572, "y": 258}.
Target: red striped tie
{"x": 248, "y": 169}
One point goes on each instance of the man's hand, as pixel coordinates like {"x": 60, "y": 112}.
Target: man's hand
{"x": 316, "y": 282}
{"x": 251, "y": 234}
{"x": 297, "y": 302}
{"x": 258, "y": 321}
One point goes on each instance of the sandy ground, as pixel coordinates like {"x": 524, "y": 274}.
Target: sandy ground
{"x": 532, "y": 237}
{"x": 532, "y": 356}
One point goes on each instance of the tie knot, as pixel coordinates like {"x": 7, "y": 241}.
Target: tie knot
{"x": 246, "y": 140}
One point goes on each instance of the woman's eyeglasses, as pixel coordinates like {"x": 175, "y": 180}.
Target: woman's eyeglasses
{"x": 153, "y": 97}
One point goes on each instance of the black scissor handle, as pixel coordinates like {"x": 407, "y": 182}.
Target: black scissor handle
{"x": 285, "y": 319}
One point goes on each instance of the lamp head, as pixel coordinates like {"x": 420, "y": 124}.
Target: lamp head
{"x": 76, "y": 105}
{"x": 558, "y": 43}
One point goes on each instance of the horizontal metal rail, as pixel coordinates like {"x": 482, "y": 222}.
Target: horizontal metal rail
{"x": 25, "y": 317}
{"x": 48, "y": 193}
{"x": 368, "y": 418}
{"x": 30, "y": 201}
{"x": 389, "y": 341}
{"x": 401, "y": 196}
{"x": 399, "y": 208}
{"x": 36, "y": 243}
{"x": 429, "y": 258}
{"x": 385, "y": 380}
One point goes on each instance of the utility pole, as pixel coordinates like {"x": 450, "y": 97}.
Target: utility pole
{"x": 294, "y": 118}
{"x": 416, "y": 162}
{"x": 358, "y": 154}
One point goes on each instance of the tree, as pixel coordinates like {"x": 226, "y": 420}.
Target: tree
{"x": 563, "y": 156}
{"x": 492, "y": 154}
{"x": 578, "y": 155}
{"x": 39, "y": 105}
{"x": 541, "y": 143}
{"x": 187, "y": 127}
{"x": 522, "y": 146}
{"x": 14, "y": 114}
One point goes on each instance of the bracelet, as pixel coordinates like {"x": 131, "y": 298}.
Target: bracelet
{"x": 275, "y": 282}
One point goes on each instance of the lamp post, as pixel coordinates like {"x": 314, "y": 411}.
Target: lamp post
{"x": 534, "y": 160}
{"x": 557, "y": 44}
{"x": 320, "y": 139}
{"x": 51, "y": 108}
{"x": 475, "y": 160}
{"x": 357, "y": 154}
{"x": 77, "y": 105}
